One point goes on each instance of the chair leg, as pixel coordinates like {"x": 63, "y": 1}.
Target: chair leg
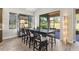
{"x": 46, "y": 48}
{"x": 40, "y": 47}
{"x": 34, "y": 46}
{"x": 51, "y": 43}
{"x": 55, "y": 41}
{"x": 29, "y": 42}
{"x": 24, "y": 40}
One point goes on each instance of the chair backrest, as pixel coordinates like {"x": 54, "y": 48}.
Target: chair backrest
{"x": 31, "y": 34}
{"x": 37, "y": 36}
{"x": 23, "y": 31}
{"x": 28, "y": 32}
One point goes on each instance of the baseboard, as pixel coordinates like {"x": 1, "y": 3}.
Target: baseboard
{"x": 8, "y": 37}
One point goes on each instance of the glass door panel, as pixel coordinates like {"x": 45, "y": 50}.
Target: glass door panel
{"x": 77, "y": 27}
{"x": 55, "y": 23}
{"x": 43, "y": 22}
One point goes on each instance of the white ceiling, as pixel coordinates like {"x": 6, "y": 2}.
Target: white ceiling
{"x": 32, "y": 9}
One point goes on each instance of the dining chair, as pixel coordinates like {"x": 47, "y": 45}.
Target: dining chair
{"x": 40, "y": 44}
{"x": 31, "y": 39}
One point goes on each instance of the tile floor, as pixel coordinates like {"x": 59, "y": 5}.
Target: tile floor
{"x": 16, "y": 44}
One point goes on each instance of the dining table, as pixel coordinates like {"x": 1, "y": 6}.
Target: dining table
{"x": 45, "y": 33}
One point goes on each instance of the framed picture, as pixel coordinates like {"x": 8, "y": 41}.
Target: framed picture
{"x": 12, "y": 20}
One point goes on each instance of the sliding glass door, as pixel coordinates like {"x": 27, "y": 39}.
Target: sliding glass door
{"x": 77, "y": 27}
{"x": 55, "y": 23}
{"x": 51, "y": 21}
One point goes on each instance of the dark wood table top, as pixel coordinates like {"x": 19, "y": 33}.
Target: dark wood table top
{"x": 43, "y": 32}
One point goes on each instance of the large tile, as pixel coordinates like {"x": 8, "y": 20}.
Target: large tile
{"x": 16, "y": 44}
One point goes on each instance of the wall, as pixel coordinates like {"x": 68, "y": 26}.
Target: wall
{"x": 70, "y": 12}
{"x": 63, "y": 12}
{"x": 9, "y": 33}
{"x": 42, "y": 11}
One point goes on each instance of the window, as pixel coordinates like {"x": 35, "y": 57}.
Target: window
{"x": 12, "y": 20}
{"x": 27, "y": 21}
{"x": 55, "y": 22}
{"x": 30, "y": 21}
{"x": 77, "y": 27}
{"x": 43, "y": 22}
{"x": 77, "y": 22}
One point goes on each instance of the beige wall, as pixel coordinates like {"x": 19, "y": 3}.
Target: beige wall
{"x": 43, "y": 11}
{"x": 70, "y": 12}
{"x": 9, "y": 33}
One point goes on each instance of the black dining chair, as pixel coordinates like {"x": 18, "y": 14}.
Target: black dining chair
{"x": 52, "y": 39}
{"x": 27, "y": 37}
{"x": 31, "y": 39}
{"x": 24, "y": 36}
{"x": 40, "y": 45}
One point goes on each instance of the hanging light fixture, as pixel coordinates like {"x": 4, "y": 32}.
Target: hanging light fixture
{"x": 22, "y": 21}
{"x": 25, "y": 25}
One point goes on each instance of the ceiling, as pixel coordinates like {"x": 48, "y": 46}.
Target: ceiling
{"x": 55, "y": 13}
{"x": 32, "y": 9}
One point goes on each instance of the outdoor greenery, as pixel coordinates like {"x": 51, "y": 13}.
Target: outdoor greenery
{"x": 43, "y": 23}
{"x": 29, "y": 21}
{"x": 54, "y": 22}
{"x": 77, "y": 22}
{"x": 12, "y": 21}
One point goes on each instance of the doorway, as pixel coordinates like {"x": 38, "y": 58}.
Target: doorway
{"x": 55, "y": 23}
{"x": 77, "y": 25}
{"x": 25, "y": 21}
{"x": 49, "y": 21}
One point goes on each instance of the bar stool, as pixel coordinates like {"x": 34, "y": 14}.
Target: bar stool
{"x": 39, "y": 44}
{"x": 27, "y": 36}
{"x": 31, "y": 39}
{"x": 52, "y": 39}
{"x": 24, "y": 36}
